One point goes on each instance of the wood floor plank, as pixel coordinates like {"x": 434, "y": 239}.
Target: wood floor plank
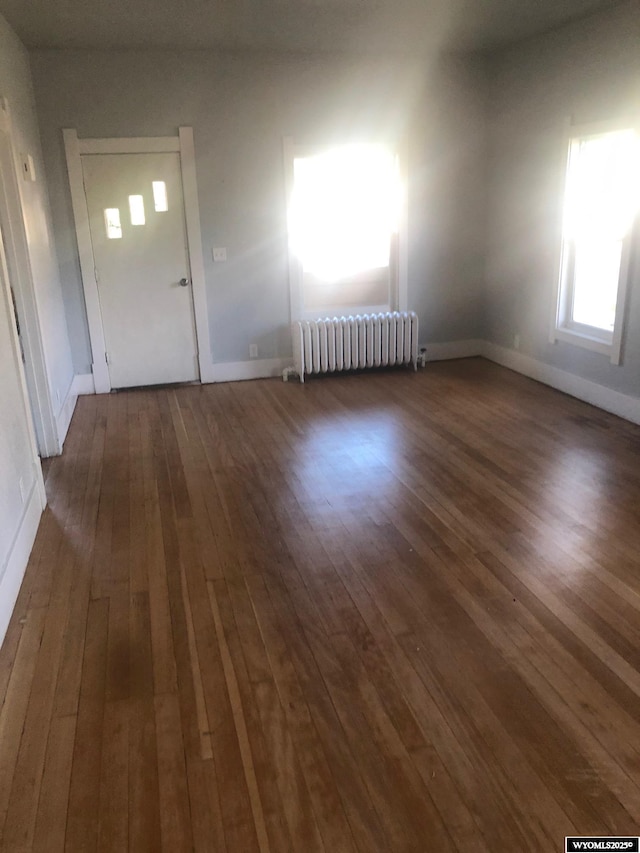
{"x": 16, "y": 702}
{"x": 84, "y": 792}
{"x": 51, "y": 820}
{"x": 175, "y": 818}
{"x": 240, "y": 831}
{"x": 279, "y": 837}
{"x": 240, "y": 724}
{"x": 113, "y": 821}
{"x": 144, "y": 800}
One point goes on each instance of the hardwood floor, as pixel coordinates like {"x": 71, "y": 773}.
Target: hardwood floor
{"x": 389, "y": 612}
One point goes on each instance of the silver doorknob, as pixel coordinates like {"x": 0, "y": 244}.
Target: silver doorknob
{"x": 184, "y": 282}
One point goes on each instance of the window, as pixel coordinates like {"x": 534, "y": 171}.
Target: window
{"x": 602, "y": 197}
{"x": 136, "y": 209}
{"x": 343, "y": 220}
{"x": 112, "y": 223}
{"x": 160, "y": 201}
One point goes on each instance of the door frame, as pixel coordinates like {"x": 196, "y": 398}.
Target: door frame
{"x": 41, "y": 411}
{"x": 183, "y": 145}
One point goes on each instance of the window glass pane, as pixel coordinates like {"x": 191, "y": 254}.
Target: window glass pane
{"x": 344, "y": 211}
{"x": 112, "y": 223}
{"x": 603, "y": 196}
{"x": 160, "y": 201}
{"x": 595, "y": 291}
{"x": 603, "y": 190}
{"x": 136, "y": 208}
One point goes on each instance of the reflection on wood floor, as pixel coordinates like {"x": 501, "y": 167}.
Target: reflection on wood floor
{"x": 393, "y": 612}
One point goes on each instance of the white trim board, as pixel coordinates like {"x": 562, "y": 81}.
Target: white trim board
{"x": 263, "y": 368}
{"x": 623, "y": 405}
{"x": 41, "y": 411}
{"x": 16, "y": 564}
{"x": 226, "y": 371}
{"x": 66, "y": 413}
{"x": 453, "y": 349}
{"x": 194, "y": 244}
{"x": 130, "y": 145}
{"x": 83, "y": 384}
{"x": 75, "y": 150}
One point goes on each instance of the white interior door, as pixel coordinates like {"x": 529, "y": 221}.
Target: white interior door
{"x": 136, "y": 215}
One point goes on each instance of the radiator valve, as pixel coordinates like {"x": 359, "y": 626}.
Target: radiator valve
{"x": 289, "y": 373}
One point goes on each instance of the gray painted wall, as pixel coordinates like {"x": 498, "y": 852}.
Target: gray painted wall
{"x": 587, "y": 72}
{"x": 241, "y": 106}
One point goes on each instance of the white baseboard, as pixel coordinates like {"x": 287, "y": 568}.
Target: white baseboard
{"x": 83, "y": 384}
{"x": 453, "y": 349}
{"x": 207, "y": 373}
{"x": 66, "y": 413}
{"x": 228, "y": 371}
{"x": 16, "y": 563}
{"x": 263, "y": 368}
{"x": 617, "y": 403}
{"x": 623, "y": 405}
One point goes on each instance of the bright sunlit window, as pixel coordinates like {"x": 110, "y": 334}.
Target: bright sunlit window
{"x": 136, "y": 209}
{"x": 343, "y": 221}
{"x": 602, "y": 198}
{"x": 160, "y": 201}
{"x": 344, "y": 210}
{"x": 112, "y": 223}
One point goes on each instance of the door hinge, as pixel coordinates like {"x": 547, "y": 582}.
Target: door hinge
{"x": 106, "y": 357}
{"x": 95, "y": 272}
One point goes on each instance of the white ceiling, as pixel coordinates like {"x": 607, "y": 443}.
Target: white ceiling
{"x": 406, "y": 26}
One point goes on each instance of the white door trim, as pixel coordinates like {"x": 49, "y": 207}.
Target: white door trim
{"x": 42, "y": 414}
{"x": 182, "y": 144}
{"x": 194, "y": 246}
{"x": 5, "y": 296}
{"x": 130, "y": 145}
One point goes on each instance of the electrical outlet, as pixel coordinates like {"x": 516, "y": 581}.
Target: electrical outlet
{"x": 253, "y": 350}
{"x": 219, "y": 255}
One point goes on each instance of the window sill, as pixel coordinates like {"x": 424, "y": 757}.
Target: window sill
{"x": 584, "y": 340}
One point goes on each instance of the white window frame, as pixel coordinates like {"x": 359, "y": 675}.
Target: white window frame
{"x": 399, "y": 287}
{"x": 183, "y": 145}
{"x": 563, "y": 327}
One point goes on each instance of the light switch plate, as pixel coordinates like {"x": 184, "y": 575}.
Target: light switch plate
{"x": 219, "y": 255}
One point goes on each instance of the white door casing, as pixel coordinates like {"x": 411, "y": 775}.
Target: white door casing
{"x": 15, "y": 387}
{"x": 85, "y": 150}
{"x": 142, "y": 269}
{"x": 19, "y": 269}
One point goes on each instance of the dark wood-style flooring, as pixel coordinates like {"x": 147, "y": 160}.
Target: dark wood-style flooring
{"x": 385, "y": 612}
